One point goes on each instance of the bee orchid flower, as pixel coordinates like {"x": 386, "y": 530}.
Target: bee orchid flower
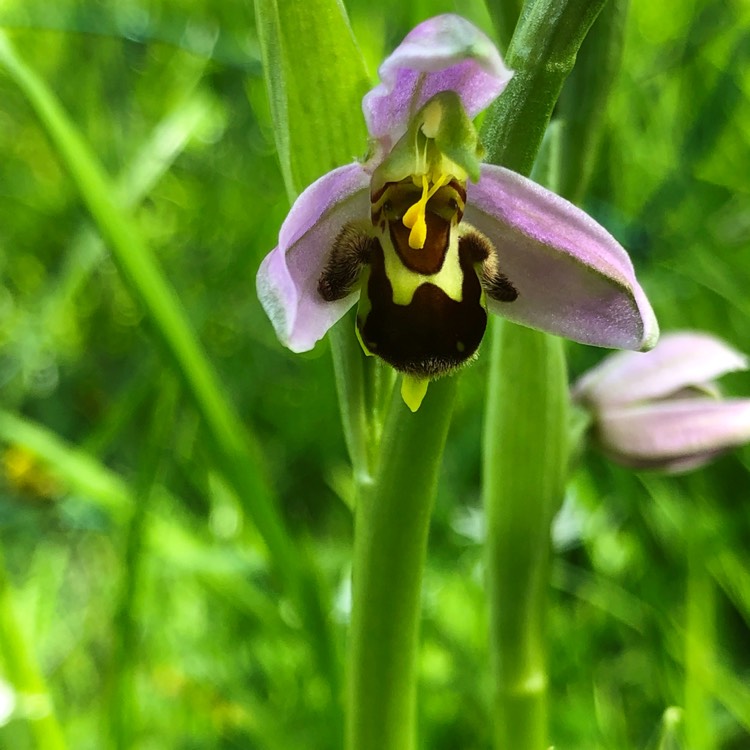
{"x": 427, "y": 239}
{"x": 662, "y": 410}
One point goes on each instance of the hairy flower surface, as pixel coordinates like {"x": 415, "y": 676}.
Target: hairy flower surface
{"x": 428, "y": 239}
{"x": 662, "y": 410}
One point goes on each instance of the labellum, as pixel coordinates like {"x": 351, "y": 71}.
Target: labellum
{"x": 422, "y": 273}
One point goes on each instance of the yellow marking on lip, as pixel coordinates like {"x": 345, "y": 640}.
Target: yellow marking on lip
{"x": 405, "y": 283}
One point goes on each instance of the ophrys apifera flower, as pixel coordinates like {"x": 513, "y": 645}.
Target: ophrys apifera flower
{"x": 662, "y": 410}
{"x": 428, "y": 239}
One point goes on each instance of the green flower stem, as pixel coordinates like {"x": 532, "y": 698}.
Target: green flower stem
{"x": 542, "y": 54}
{"x": 236, "y": 453}
{"x": 526, "y": 440}
{"x": 24, "y": 673}
{"x": 525, "y": 463}
{"x": 391, "y": 527}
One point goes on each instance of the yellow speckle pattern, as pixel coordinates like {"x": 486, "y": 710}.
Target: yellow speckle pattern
{"x": 413, "y": 391}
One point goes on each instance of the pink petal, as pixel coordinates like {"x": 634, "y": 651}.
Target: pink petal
{"x": 678, "y": 361}
{"x": 573, "y": 278}
{"x": 673, "y": 435}
{"x": 287, "y": 280}
{"x": 446, "y": 53}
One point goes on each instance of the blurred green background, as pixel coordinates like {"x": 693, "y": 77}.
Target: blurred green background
{"x": 137, "y": 578}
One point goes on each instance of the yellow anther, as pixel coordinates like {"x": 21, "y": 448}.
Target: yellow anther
{"x": 415, "y": 217}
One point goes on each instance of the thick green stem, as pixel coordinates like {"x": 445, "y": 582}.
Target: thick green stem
{"x": 24, "y": 673}
{"x": 542, "y": 54}
{"x": 526, "y": 441}
{"x": 392, "y": 523}
{"x": 525, "y": 463}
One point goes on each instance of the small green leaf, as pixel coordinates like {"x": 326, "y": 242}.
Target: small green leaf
{"x": 316, "y": 79}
